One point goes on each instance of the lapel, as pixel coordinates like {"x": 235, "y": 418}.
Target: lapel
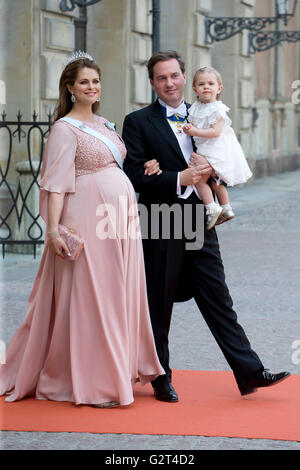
{"x": 193, "y": 141}
{"x": 161, "y": 124}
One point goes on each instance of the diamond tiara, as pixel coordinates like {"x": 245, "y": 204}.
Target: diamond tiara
{"x": 78, "y": 55}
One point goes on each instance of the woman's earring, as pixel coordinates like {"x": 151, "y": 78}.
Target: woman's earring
{"x": 73, "y": 98}
{"x": 98, "y": 99}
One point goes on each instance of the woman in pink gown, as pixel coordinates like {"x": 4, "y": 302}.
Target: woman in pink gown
{"x": 87, "y": 335}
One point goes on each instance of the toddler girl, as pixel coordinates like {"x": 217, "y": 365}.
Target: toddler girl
{"x": 215, "y": 139}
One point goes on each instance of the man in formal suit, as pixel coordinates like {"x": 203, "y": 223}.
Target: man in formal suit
{"x": 175, "y": 270}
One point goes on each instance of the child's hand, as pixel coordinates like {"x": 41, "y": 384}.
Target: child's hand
{"x": 188, "y": 128}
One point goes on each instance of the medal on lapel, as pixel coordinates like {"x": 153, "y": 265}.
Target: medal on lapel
{"x": 178, "y": 119}
{"x": 179, "y": 129}
{"x": 180, "y": 122}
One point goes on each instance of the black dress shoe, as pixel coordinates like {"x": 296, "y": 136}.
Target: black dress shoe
{"x": 263, "y": 378}
{"x": 165, "y": 392}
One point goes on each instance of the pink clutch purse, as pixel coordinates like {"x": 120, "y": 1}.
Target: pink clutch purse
{"x": 73, "y": 241}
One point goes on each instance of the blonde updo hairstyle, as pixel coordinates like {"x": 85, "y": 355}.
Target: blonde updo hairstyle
{"x": 68, "y": 77}
{"x": 208, "y": 70}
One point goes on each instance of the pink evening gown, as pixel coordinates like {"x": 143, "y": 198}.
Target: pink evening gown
{"x": 87, "y": 335}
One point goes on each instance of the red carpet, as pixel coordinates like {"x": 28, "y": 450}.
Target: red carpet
{"x": 210, "y": 405}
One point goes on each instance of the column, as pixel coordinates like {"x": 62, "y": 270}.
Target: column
{"x": 141, "y": 43}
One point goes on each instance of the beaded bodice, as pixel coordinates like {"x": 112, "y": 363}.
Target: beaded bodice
{"x": 92, "y": 154}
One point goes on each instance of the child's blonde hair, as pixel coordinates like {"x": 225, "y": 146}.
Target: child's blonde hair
{"x": 208, "y": 70}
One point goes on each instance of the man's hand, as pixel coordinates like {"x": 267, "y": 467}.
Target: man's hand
{"x": 194, "y": 174}
{"x": 197, "y": 159}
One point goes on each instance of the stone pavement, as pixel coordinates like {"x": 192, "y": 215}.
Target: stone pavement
{"x": 261, "y": 254}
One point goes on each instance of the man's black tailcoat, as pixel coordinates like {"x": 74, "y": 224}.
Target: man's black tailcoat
{"x": 174, "y": 272}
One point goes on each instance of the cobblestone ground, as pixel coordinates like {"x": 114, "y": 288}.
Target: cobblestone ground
{"x": 261, "y": 254}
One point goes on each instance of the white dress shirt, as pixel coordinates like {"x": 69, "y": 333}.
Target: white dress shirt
{"x": 185, "y": 144}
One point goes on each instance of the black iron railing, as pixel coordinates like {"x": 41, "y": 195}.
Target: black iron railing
{"x": 16, "y": 136}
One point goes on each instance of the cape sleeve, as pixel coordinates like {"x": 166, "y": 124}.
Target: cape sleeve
{"x": 204, "y": 115}
{"x": 58, "y": 168}
{"x": 219, "y": 110}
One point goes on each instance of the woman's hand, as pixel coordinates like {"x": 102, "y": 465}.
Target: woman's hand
{"x": 55, "y": 207}
{"x": 152, "y": 168}
{"x": 58, "y": 246}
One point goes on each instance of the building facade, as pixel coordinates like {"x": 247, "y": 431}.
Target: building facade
{"x": 261, "y": 89}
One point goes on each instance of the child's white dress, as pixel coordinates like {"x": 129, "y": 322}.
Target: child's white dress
{"x": 224, "y": 153}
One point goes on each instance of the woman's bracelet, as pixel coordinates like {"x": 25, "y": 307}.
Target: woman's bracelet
{"x": 52, "y": 235}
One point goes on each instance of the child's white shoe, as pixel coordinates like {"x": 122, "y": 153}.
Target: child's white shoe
{"x": 213, "y": 215}
{"x": 226, "y": 215}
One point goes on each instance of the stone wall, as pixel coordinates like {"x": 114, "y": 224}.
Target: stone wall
{"x": 36, "y": 37}
{"x": 35, "y": 40}
{"x": 266, "y": 125}
{"x": 275, "y": 140}
{"x": 56, "y": 41}
{"x": 119, "y": 37}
